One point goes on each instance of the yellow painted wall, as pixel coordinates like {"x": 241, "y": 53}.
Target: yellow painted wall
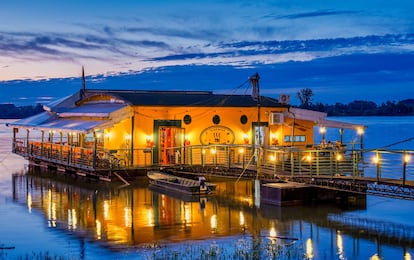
{"x": 201, "y": 118}
{"x": 118, "y": 136}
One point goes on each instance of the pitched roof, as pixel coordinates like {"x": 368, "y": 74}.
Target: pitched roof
{"x": 185, "y": 98}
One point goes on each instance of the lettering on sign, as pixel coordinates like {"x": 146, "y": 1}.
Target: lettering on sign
{"x": 217, "y": 135}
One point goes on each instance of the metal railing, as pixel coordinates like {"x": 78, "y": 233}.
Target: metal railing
{"x": 277, "y": 160}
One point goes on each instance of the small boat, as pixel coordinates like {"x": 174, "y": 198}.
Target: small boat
{"x": 179, "y": 184}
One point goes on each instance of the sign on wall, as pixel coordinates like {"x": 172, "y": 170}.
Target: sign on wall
{"x": 217, "y": 135}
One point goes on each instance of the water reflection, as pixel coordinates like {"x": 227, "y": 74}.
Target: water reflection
{"x": 139, "y": 216}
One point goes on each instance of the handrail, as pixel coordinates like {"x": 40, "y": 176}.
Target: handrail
{"x": 273, "y": 160}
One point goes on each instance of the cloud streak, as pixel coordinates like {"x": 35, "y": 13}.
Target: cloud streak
{"x": 312, "y": 14}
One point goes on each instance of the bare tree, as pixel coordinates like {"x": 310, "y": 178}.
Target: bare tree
{"x": 305, "y": 97}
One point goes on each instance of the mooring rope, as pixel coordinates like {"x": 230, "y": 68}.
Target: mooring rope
{"x": 399, "y": 142}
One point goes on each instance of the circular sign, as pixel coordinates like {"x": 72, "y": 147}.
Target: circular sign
{"x": 217, "y": 135}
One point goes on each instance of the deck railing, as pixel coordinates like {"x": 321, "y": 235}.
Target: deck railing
{"x": 273, "y": 159}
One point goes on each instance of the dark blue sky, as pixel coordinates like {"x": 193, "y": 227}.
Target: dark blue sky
{"x": 343, "y": 51}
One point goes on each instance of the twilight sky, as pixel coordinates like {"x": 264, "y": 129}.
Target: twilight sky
{"x": 342, "y": 50}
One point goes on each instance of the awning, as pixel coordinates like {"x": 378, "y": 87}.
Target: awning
{"x": 80, "y": 119}
{"x": 319, "y": 119}
{"x": 338, "y": 124}
{"x": 47, "y": 121}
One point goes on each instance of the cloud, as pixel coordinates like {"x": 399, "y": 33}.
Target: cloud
{"x": 312, "y": 14}
{"x": 284, "y": 51}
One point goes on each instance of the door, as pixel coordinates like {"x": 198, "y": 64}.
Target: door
{"x": 168, "y": 134}
{"x": 260, "y": 134}
{"x": 171, "y": 140}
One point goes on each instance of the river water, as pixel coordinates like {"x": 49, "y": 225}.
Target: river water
{"x": 47, "y": 215}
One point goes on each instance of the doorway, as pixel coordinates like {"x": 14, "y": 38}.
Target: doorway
{"x": 170, "y": 139}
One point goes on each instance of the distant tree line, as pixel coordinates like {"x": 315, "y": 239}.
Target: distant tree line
{"x": 357, "y": 107}
{"x": 11, "y": 111}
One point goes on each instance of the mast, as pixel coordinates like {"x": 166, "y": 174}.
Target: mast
{"x": 83, "y": 90}
{"x": 254, "y": 81}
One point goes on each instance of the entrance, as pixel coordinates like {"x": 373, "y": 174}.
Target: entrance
{"x": 171, "y": 139}
{"x": 260, "y": 134}
{"x": 169, "y": 136}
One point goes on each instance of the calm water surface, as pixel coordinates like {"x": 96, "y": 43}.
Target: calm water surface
{"x": 78, "y": 220}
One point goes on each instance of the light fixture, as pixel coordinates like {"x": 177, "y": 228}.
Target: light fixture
{"x": 148, "y": 140}
{"x": 187, "y": 140}
{"x": 375, "y": 159}
{"x": 407, "y": 158}
{"x": 246, "y": 138}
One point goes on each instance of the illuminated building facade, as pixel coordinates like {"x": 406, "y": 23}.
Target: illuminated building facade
{"x": 100, "y": 129}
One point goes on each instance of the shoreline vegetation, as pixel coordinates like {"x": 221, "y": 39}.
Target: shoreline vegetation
{"x": 355, "y": 108}
{"x": 366, "y": 108}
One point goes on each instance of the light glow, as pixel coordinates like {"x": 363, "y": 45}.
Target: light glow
{"x": 340, "y": 245}
{"x": 106, "y": 209}
{"x": 241, "y": 219}
{"x": 127, "y": 216}
{"x": 213, "y": 222}
{"x": 407, "y": 158}
{"x": 309, "y": 248}
{"x": 375, "y": 159}
{"x": 29, "y": 202}
{"x": 272, "y": 232}
{"x": 98, "y": 231}
{"x": 150, "y": 215}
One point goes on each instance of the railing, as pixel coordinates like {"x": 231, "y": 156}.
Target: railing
{"x": 276, "y": 160}
{"x": 83, "y": 158}
{"x": 380, "y": 164}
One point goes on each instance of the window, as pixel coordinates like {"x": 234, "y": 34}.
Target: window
{"x": 243, "y": 119}
{"x": 216, "y": 119}
{"x": 187, "y": 119}
{"x": 295, "y": 138}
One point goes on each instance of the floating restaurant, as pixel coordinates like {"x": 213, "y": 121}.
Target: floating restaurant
{"x": 97, "y": 132}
